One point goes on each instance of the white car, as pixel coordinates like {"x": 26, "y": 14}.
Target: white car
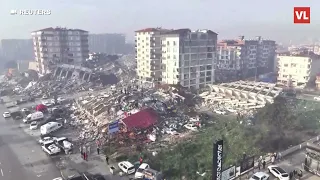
{"x": 47, "y": 138}
{"x": 50, "y": 148}
{"x": 44, "y": 97}
{"x": 317, "y": 98}
{"x": 260, "y": 176}
{"x": 46, "y": 103}
{"x": 33, "y": 125}
{"x": 6, "y": 115}
{"x": 191, "y": 127}
{"x": 278, "y": 172}
{"x": 220, "y": 112}
{"x": 24, "y": 109}
{"x": 60, "y": 99}
{"x": 139, "y": 172}
{"x": 126, "y": 167}
{"x": 170, "y": 131}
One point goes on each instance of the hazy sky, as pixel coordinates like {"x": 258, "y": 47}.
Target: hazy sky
{"x": 270, "y": 18}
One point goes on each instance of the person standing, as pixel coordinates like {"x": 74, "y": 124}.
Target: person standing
{"x": 98, "y": 150}
{"x": 264, "y": 164}
{"x": 81, "y": 152}
{"x": 107, "y": 160}
{"x": 259, "y": 165}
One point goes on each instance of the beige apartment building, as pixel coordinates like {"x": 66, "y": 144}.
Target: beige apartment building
{"x": 297, "y": 70}
{"x": 54, "y": 46}
{"x": 178, "y": 56}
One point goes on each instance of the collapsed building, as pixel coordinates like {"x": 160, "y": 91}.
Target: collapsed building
{"x": 241, "y": 95}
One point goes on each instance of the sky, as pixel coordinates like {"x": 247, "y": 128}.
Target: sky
{"x": 273, "y": 19}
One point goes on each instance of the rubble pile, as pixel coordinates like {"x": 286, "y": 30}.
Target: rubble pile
{"x": 133, "y": 107}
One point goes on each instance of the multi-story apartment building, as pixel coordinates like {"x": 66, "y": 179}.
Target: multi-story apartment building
{"x": 54, "y": 46}
{"x": 179, "y": 56}
{"x": 107, "y": 43}
{"x": 297, "y": 70}
{"x": 244, "y": 58}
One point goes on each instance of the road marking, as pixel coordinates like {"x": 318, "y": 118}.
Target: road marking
{"x": 1, "y": 172}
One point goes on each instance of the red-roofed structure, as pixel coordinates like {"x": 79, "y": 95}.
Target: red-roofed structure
{"x": 141, "y": 120}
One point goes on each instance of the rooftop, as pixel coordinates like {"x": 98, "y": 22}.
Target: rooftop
{"x": 59, "y": 29}
{"x": 173, "y": 31}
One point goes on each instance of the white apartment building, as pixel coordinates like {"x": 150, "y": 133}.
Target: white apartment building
{"x": 245, "y": 58}
{"x": 297, "y": 71}
{"x": 54, "y": 46}
{"x": 177, "y": 56}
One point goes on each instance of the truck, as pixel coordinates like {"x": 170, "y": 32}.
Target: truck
{"x": 50, "y": 148}
{"x": 16, "y": 113}
{"x": 36, "y": 116}
{"x": 64, "y": 144}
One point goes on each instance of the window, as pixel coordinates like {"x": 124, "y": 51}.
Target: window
{"x": 168, "y": 43}
{"x": 174, "y": 43}
{"x": 174, "y": 57}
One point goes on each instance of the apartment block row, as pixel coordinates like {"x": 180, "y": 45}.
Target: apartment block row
{"x": 194, "y": 59}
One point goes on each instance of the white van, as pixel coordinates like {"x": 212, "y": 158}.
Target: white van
{"x": 50, "y": 127}
{"x": 36, "y": 116}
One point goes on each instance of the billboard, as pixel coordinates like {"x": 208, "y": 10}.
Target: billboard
{"x": 229, "y": 173}
{"x": 217, "y": 160}
{"x": 113, "y": 127}
{"x": 246, "y": 164}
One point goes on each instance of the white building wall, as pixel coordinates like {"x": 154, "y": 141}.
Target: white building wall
{"x": 170, "y": 59}
{"x": 297, "y": 70}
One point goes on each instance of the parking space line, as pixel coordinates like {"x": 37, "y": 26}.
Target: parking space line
{"x": 2, "y": 172}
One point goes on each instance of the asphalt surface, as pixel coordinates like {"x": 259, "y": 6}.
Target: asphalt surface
{"x": 21, "y": 156}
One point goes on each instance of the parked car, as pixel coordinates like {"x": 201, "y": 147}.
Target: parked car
{"x": 50, "y": 148}
{"x": 6, "y": 115}
{"x": 64, "y": 144}
{"x": 47, "y": 138}
{"x": 34, "y": 125}
{"x": 24, "y": 109}
{"x": 317, "y": 98}
{"x": 139, "y": 172}
{"x": 191, "y": 127}
{"x": 126, "y": 167}
{"x": 278, "y": 172}
{"x": 260, "y": 176}
{"x": 220, "y": 112}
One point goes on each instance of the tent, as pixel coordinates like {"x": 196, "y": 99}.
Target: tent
{"x": 41, "y": 107}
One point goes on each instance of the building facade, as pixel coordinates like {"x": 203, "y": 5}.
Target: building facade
{"x": 107, "y": 43}
{"x": 54, "y": 46}
{"x": 297, "y": 70}
{"x": 237, "y": 59}
{"x": 179, "y": 56}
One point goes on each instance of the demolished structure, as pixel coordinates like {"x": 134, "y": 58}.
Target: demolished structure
{"x": 241, "y": 95}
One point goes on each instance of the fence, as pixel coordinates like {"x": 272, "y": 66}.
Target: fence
{"x": 245, "y": 174}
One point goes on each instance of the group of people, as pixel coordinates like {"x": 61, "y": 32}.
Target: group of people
{"x": 261, "y": 162}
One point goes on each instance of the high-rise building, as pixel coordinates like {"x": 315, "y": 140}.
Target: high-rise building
{"x": 245, "y": 58}
{"x": 54, "y": 46}
{"x": 178, "y": 56}
{"x": 17, "y": 49}
{"x": 107, "y": 43}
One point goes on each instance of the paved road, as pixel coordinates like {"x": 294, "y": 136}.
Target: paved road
{"x": 20, "y": 155}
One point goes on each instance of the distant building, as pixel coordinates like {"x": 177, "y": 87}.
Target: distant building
{"x": 297, "y": 70}
{"x": 54, "y": 46}
{"x": 178, "y": 56}
{"x": 16, "y": 49}
{"x": 245, "y": 58}
{"x": 107, "y": 43}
